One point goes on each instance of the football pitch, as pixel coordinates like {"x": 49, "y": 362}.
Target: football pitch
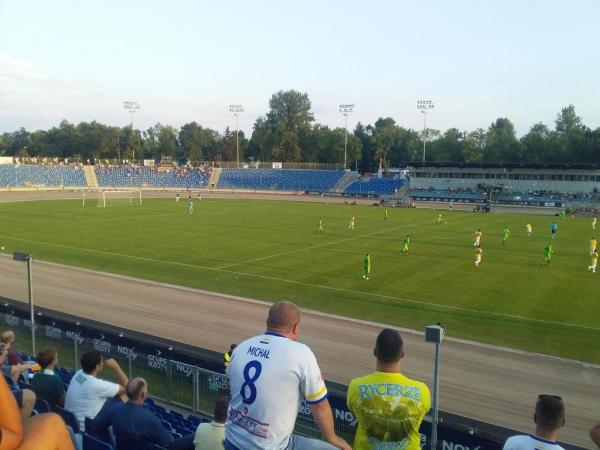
{"x": 270, "y": 250}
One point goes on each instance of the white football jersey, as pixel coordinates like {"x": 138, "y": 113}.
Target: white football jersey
{"x": 269, "y": 376}
{"x": 530, "y": 442}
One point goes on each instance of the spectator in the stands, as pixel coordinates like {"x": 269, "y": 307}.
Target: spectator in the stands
{"x": 227, "y": 355}
{"x": 269, "y": 377}
{"x": 210, "y": 436}
{"x": 87, "y": 394}
{"x": 46, "y": 384}
{"x": 549, "y": 418}
{"x": 595, "y": 435}
{"x": 25, "y": 398}
{"x": 392, "y": 417}
{"x": 8, "y": 338}
{"x": 42, "y": 432}
{"x": 136, "y": 427}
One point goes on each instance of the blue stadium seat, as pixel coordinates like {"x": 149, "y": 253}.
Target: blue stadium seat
{"x": 69, "y": 419}
{"x": 374, "y": 186}
{"x": 41, "y": 175}
{"x": 280, "y": 179}
{"x": 42, "y": 406}
{"x": 172, "y": 177}
{"x": 91, "y": 443}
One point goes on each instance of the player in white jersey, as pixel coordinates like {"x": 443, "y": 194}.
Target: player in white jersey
{"x": 549, "y": 417}
{"x": 269, "y": 377}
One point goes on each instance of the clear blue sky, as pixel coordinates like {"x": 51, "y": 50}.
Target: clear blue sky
{"x": 188, "y": 60}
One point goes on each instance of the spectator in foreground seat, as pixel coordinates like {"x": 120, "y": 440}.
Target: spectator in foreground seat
{"x": 87, "y": 394}
{"x": 136, "y": 427}
{"x": 549, "y": 418}
{"x": 595, "y": 435}
{"x": 270, "y": 374}
{"x": 210, "y": 436}
{"x": 24, "y": 397}
{"x": 389, "y": 406}
{"x": 46, "y": 384}
{"x": 42, "y": 432}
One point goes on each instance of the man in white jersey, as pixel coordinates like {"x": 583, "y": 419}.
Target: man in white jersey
{"x": 269, "y": 377}
{"x": 549, "y": 417}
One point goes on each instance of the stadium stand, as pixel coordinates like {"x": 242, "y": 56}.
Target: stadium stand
{"x": 375, "y": 186}
{"x": 41, "y": 175}
{"x": 280, "y": 179}
{"x": 141, "y": 176}
{"x": 460, "y": 195}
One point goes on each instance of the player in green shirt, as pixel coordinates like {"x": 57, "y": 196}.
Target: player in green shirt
{"x": 405, "y": 243}
{"x": 505, "y": 235}
{"x": 367, "y": 267}
{"x": 548, "y": 253}
{"x": 439, "y": 219}
{"x": 386, "y": 214}
{"x": 320, "y": 226}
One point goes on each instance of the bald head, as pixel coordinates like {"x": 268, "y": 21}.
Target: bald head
{"x": 283, "y": 317}
{"x": 135, "y": 388}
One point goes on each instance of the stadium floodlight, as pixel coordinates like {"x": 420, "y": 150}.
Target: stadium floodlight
{"x": 26, "y": 257}
{"x": 435, "y": 335}
{"x": 346, "y": 110}
{"x": 424, "y": 106}
{"x": 132, "y": 107}
{"x": 236, "y": 110}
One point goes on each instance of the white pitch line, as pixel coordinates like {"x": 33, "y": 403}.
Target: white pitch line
{"x": 320, "y": 286}
{"x": 312, "y": 247}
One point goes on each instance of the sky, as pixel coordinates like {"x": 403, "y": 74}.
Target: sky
{"x": 188, "y": 60}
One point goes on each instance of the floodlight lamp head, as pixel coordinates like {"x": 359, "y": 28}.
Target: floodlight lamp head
{"x": 18, "y": 256}
{"x": 434, "y": 333}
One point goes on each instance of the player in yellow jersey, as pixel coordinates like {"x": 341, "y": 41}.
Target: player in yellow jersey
{"x": 477, "y": 235}
{"x": 529, "y": 229}
{"x": 351, "y": 225}
{"x": 388, "y": 405}
{"x": 593, "y": 245}
{"x": 594, "y": 220}
{"x": 594, "y": 261}
{"x": 478, "y": 256}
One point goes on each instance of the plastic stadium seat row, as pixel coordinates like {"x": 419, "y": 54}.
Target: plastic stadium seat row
{"x": 280, "y": 179}
{"x": 136, "y": 177}
{"x": 375, "y": 186}
{"x": 40, "y": 175}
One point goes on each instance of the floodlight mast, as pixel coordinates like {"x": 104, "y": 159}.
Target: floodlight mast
{"x": 346, "y": 110}
{"x": 236, "y": 110}
{"x": 132, "y": 107}
{"x": 424, "y": 106}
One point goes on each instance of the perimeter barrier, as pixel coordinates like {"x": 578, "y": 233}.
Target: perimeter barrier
{"x": 192, "y": 378}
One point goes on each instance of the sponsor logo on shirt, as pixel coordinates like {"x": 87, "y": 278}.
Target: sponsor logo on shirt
{"x": 249, "y": 424}
{"x": 394, "y": 390}
{"x": 376, "y": 444}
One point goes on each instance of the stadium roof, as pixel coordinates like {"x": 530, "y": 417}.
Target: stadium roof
{"x": 506, "y": 165}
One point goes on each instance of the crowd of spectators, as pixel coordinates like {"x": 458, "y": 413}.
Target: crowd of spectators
{"x": 180, "y": 170}
{"x": 556, "y": 195}
{"x": 46, "y": 161}
{"x": 270, "y": 375}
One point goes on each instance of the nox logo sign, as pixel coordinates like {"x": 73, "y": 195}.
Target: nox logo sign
{"x": 27, "y": 323}
{"x": 101, "y": 345}
{"x": 128, "y": 352}
{"x": 346, "y": 416}
{"x": 452, "y": 446}
{"x": 74, "y": 335}
{"x": 184, "y": 369}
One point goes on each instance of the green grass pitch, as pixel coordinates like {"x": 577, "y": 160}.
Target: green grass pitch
{"x": 269, "y": 250}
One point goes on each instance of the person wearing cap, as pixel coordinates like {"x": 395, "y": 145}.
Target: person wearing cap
{"x": 549, "y": 418}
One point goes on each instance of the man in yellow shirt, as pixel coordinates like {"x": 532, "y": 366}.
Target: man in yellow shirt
{"x": 477, "y": 235}
{"x": 594, "y": 261}
{"x": 593, "y": 245}
{"x": 529, "y": 229}
{"x": 478, "y": 256}
{"x": 388, "y": 405}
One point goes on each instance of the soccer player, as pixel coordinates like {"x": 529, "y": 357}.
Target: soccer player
{"x": 594, "y": 261}
{"x": 553, "y": 229}
{"x": 594, "y": 223}
{"x": 177, "y": 197}
{"x": 478, "y": 235}
{"x": 505, "y": 235}
{"x": 386, "y": 214}
{"x": 439, "y": 219}
{"x": 478, "y": 256}
{"x": 351, "y": 226}
{"x": 191, "y": 206}
{"x": 320, "y": 225}
{"x": 529, "y": 229}
{"x": 593, "y": 245}
{"x": 366, "y": 267}
{"x": 405, "y": 244}
{"x": 548, "y": 253}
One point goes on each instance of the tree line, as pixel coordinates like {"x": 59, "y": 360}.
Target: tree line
{"x": 288, "y": 132}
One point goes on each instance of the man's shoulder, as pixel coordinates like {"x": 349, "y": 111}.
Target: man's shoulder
{"x": 528, "y": 442}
